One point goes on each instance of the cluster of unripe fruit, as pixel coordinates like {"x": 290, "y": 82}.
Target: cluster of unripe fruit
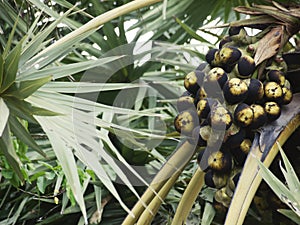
{"x": 225, "y": 104}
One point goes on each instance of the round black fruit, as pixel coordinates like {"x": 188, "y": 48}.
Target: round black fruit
{"x": 193, "y": 81}
{"x": 276, "y": 76}
{"x": 230, "y": 55}
{"x": 272, "y": 110}
{"x": 186, "y": 121}
{"x": 220, "y": 118}
{"x": 243, "y": 115}
{"x": 245, "y": 67}
{"x": 255, "y": 91}
{"x": 235, "y": 90}
{"x": 259, "y": 116}
{"x": 273, "y": 92}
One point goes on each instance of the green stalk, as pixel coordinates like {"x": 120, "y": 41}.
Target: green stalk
{"x": 175, "y": 164}
{"x": 188, "y": 198}
{"x": 148, "y": 215}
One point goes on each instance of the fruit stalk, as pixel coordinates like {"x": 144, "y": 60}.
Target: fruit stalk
{"x": 148, "y": 215}
{"x": 188, "y": 198}
{"x": 174, "y": 165}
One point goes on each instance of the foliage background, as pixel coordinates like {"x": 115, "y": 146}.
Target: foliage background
{"x": 47, "y": 177}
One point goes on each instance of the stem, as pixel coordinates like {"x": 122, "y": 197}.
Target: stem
{"x": 148, "y": 215}
{"x": 176, "y": 163}
{"x": 188, "y": 198}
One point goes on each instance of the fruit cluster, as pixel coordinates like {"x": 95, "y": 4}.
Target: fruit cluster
{"x": 225, "y": 104}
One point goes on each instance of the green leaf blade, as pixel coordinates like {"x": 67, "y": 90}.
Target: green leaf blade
{"x": 65, "y": 156}
{"x": 4, "y": 115}
{"x": 28, "y": 87}
{"x": 290, "y": 214}
{"x": 7, "y": 148}
{"x": 18, "y": 129}
{"x": 276, "y": 185}
{"x": 190, "y": 31}
{"x": 290, "y": 175}
{"x": 36, "y": 44}
{"x": 208, "y": 214}
{"x": 11, "y": 65}
{"x": 1, "y": 68}
{"x": 21, "y": 109}
{"x": 65, "y": 70}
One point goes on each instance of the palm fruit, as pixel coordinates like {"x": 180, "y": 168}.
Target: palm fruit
{"x": 205, "y": 131}
{"x": 222, "y": 197}
{"x": 193, "y": 81}
{"x": 274, "y": 202}
{"x": 210, "y": 89}
{"x": 255, "y": 90}
{"x": 234, "y": 136}
{"x": 224, "y": 41}
{"x": 203, "y": 106}
{"x": 287, "y": 95}
{"x": 232, "y": 182}
{"x": 210, "y": 55}
{"x": 276, "y": 76}
{"x": 272, "y": 110}
{"x": 234, "y": 30}
{"x": 235, "y": 90}
{"x": 243, "y": 115}
{"x": 240, "y": 153}
{"x": 185, "y": 103}
{"x": 215, "y": 180}
{"x": 186, "y": 121}
{"x": 219, "y": 117}
{"x": 217, "y": 74}
{"x": 245, "y": 67}
{"x": 229, "y": 55}
{"x": 219, "y": 207}
{"x": 220, "y": 162}
{"x": 251, "y": 48}
{"x": 259, "y": 116}
{"x": 201, "y": 94}
{"x": 201, "y": 134}
{"x": 260, "y": 203}
{"x": 260, "y": 199}
{"x": 245, "y": 146}
{"x": 273, "y": 92}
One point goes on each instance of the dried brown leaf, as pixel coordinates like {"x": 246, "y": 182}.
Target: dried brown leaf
{"x": 269, "y": 45}
{"x": 255, "y": 20}
{"x": 264, "y": 7}
{"x": 279, "y": 6}
{"x": 279, "y": 15}
{"x": 295, "y": 12}
{"x": 247, "y": 10}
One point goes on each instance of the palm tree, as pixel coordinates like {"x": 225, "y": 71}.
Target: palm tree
{"x": 88, "y": 106}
